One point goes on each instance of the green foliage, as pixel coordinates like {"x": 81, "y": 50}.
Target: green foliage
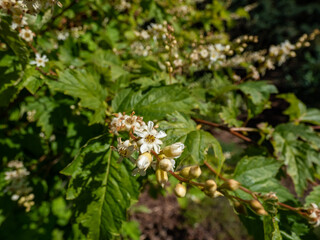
{"x": 258, "y": 94}
{"x": 107, "y": 64}
{"x": 314, "y": 196}
{"x": 298, "y": 155}
{"x": 180, "y": 128}
{"x": 259, "y": 175}
{"x": 155, "y": 104}
{"x": 11, "y": 38}
{"x": 86, "y": 86}
{"x": 101, "y": 188}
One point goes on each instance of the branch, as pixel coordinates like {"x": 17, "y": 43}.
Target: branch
{"x": 233, "y": 131}
{"x": 254, "y": 195}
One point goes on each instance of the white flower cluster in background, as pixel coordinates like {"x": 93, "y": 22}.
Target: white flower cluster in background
{"x": 314, "y": 215}
{"x": 159, "y": 39}
{"x": 145, "y": 139}
{"x": 19, "y": 8}
{"x": 212, "y": 56}
{"x": 18, "y": 185}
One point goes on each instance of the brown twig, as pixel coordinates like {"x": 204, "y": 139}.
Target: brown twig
{"x": 297, "y": 210}
{"x": 223, "y": 127}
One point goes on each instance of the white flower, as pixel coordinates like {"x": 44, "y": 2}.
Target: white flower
{"x": 174, "y": 151}
{"x": 116, "y": 123}
{"x": 143, "y": 162}
{"x": 26, "y": 34}
{"x": 40, "y": 61}
{"x": 144, "y": 34}
{"x": 15, "y": 164}
{"x": 204, "y": 53}
{"x": 314, "y": 215}
{"x": 125, "y": 150}
{"x": 62, "y": 35}
{"x": 130, "y": 122}
{"x": 150, "y": 138}
{"x": 18, "y": 21}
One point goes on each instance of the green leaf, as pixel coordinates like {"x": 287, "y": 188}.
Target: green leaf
{"x": 229, "y": 116}
{"x": 271, "y": 228}
{"x": 13, "y": 40}
{"x": 258, "y": 94}
{"x": 297, "y": 111}
{"x": 180, "y": 128}
{"x": 314, "y": 196}
{"x": 296, "y": 108}
{"x": 86, "y": 86}
{"x": 258, "y": 174}
{"x": 102, "y": 189}
{"x": 311, "y": 116}
{"x": 296, "y": 154}
{"x": 154, "y": 104}
{"x": 32, "y": 80}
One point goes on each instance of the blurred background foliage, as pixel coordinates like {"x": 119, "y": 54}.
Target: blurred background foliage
{"x": 49, "y": 138}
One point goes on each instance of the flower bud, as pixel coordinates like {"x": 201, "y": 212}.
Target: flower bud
{"x": 262, "y": 212}
{"x": 165, "y": 165}
{"x": 211, "y": 185}
{"x": 180, "y": 190}
{"x": 185, "y": 172}
{"x": 144, "y": 160}
{"x": 173, "y": 151}
{"x": 195, "y": 172}
{"x": 213, "y": 194}
{"x": 231, "y": 184}
{"x": 256, "y": 205}
{"x": 162, "y": 177}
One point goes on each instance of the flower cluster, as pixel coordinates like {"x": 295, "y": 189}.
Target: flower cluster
{"x": 19, "y": 187}
{"x": 211, "y": 56}
{"x": 19, "y": 9}
{"x": 145, "y": 139}
{"x": 314, "y": 214}
{"x": 158, "y": 38}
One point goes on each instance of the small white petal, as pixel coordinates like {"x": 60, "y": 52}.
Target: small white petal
{"x": 161, "y": 134}
{"x": 144, "y": 148}
{"x": 156, "y": 148}
{"x": 150, "y": 126}
{"x": 141, "y": 134}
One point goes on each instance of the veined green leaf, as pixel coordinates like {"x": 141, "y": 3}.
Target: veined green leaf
{"x": 258, "y": 96}
{"x": 155, "y": 104}
{"x": 102, "y": 189}
{"x": 180, "y": 128}
{"x": 258, "y": 174}
{"x": 14, "y": 42}
{"x": 314, "y": 196}
{"x": 271, "y": 228}
{"x": 296, "y": 154}
{"x": 85, "y": 86}
{"x": 297, "y": 111}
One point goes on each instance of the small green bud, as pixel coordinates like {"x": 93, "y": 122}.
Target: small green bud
{"x": 195, "y": 172}
{"x": 262, "y": 212}
{"x": 180, "y": 190}
{"x": 162, "y": 177}
{"x": 165, "y": 165}
{"x": 231, "y": 184}
{"x": 210, "y": 185}
{"x": 185, "y": 172}
{"x": 255, "y": 205}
